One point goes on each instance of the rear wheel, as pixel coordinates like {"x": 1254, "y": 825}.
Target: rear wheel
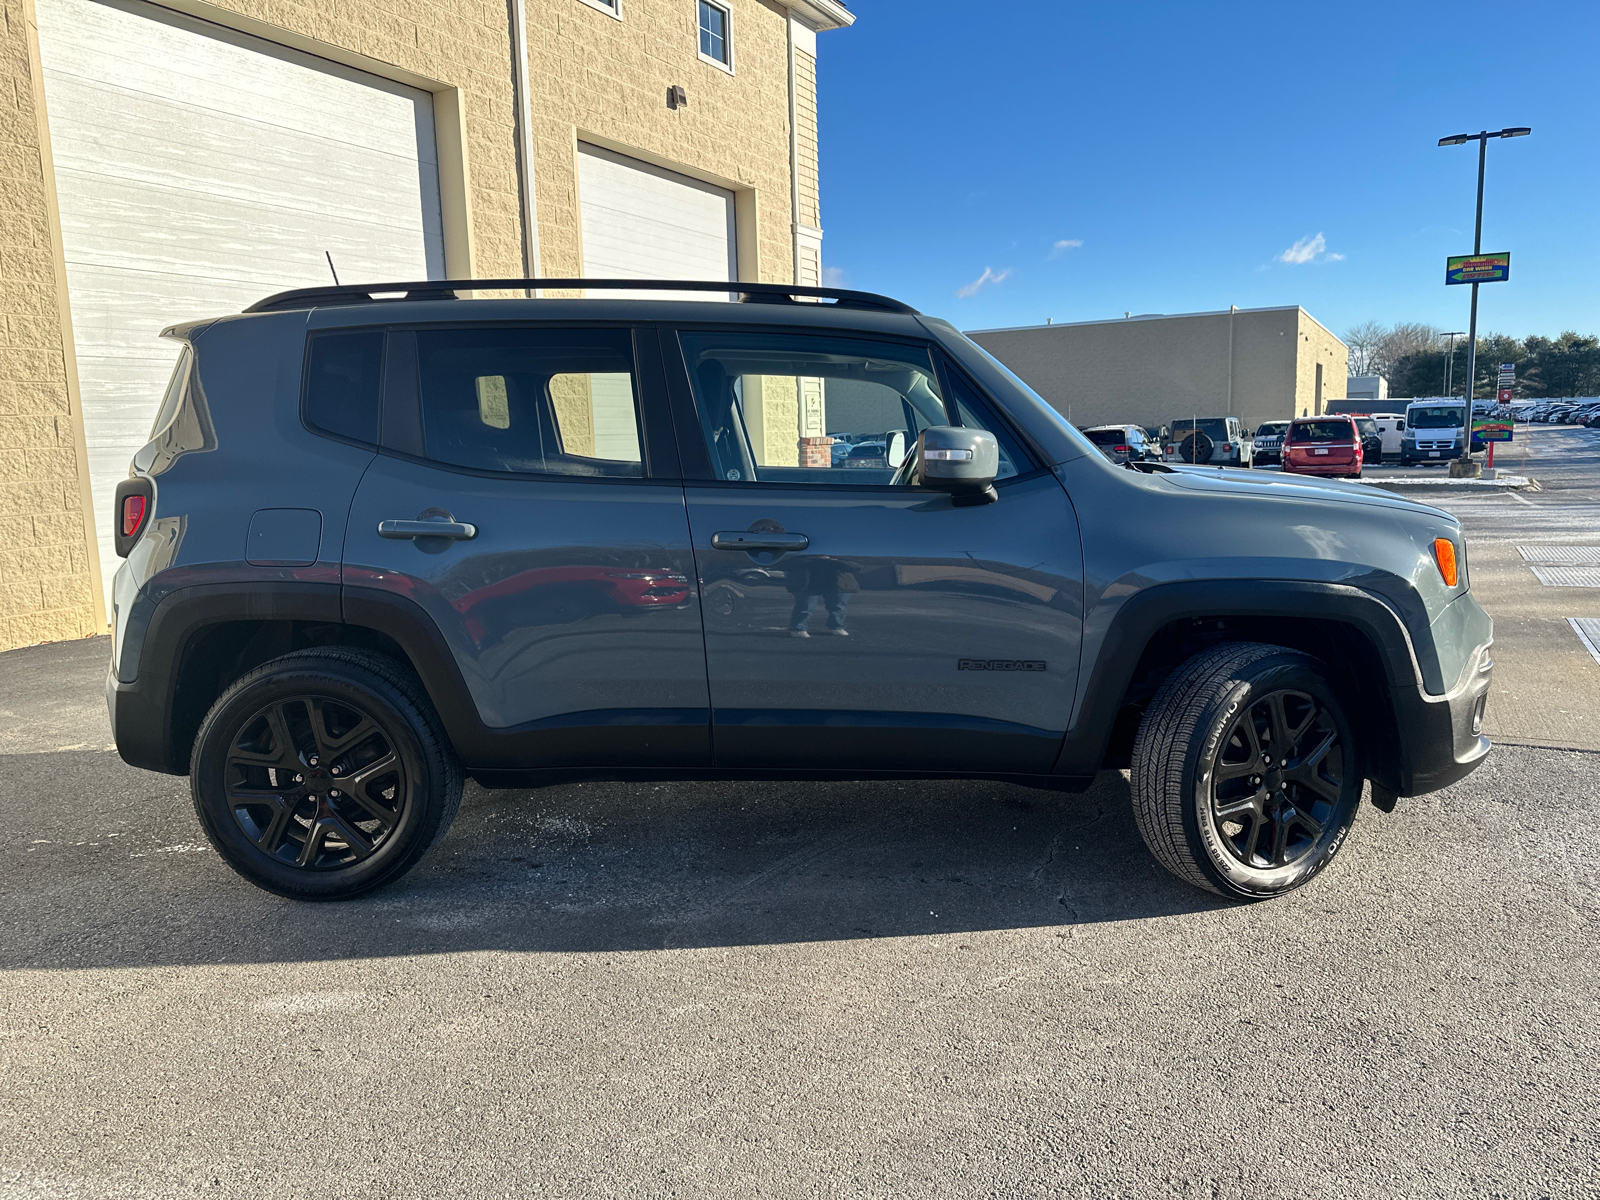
{"x": 1246, "y": 776}
{"x": 323, "y": 774}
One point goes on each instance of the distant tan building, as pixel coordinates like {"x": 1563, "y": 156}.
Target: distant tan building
{"x": 160, "y": 163}
{"x": 1258, "y": 364}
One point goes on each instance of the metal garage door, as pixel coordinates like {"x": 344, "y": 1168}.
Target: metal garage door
{"x": 640, "y": 221}
{"x": 198, "y": 170}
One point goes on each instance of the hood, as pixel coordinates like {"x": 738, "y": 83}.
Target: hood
{"x": 1291, "y": 487}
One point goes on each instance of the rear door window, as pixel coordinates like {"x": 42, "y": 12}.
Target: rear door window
{"x": 547, "y": 401}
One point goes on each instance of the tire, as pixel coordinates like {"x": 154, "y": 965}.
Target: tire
{"x": 1196, "y": 447}
{"x": 1218, "y": 713}
{"x": 275, "y": 759}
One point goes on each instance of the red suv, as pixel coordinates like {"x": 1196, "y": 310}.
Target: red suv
{"x": 1323, "y": 446}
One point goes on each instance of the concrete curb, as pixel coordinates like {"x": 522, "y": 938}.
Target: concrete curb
{"x": 1505, "y": 483}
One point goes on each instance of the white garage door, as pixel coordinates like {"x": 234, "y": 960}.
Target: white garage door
{"x": 643, "y": 222}
{"x": 199, "y": 170}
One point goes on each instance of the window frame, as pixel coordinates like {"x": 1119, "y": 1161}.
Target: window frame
{"x": 690, "y": 425}
{"x": 726, "y": 62}
{"x": 400, "y": 427}
{"x": 612, "y": 9}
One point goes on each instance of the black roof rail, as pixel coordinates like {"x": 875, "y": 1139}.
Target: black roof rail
{"x": 447, "y": 289}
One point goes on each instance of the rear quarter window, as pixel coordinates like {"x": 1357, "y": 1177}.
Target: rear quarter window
{"x": 344, "y": 373}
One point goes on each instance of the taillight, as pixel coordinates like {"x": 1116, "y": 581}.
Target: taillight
{"x": 134, "y": 504}
{"x": 1120, "y": 449}
{"x": 1444, "y": 554}
{"x": 132, "y": 515}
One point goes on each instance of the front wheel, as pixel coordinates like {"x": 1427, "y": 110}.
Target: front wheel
{"x": 1246, "y": 776}
{"x": 323, "y": 774}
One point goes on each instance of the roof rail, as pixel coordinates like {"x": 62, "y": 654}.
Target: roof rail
{"x": 448, "y": 289}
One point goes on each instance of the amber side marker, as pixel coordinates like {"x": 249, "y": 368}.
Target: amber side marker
{"x": 1444, "y": 553}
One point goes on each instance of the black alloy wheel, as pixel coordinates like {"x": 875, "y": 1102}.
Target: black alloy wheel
{"x": 315, "y": 782}
{"x": 323, "y": 774}
{"x": 1276, "y": 779}
{"x": 1246, "y": 773}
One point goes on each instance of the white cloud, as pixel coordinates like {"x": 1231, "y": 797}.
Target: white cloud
{"x": 990, "y": 275}
{"x": 834, "y": 277}
{"x": 1309, "y": 250}
{"x": 1064, "y": 245}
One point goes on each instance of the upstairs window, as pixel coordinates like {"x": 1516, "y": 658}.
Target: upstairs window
{"x": 714, "y": 33}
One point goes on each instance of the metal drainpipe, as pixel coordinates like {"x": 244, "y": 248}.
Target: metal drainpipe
{"x": 524, "y": 134}
{"x": 794, "y": 166}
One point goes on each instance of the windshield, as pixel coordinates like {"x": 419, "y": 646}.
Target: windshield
{"x": 1320, "y": 431}
{"x": 1440, "y": 416}
{"x": 1213, "y": 427}
{"x": 1368, "y": 427}
{"x": 1273, "y": 429}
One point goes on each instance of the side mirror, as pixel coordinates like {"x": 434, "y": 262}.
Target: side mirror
{"x": 957, "y": 460}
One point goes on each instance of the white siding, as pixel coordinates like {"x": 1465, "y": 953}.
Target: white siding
{"x": 198, "y": 170}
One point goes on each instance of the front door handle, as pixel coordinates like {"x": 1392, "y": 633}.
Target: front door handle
{"x": 758, "y": 541}
{"x": 458, "y": 531}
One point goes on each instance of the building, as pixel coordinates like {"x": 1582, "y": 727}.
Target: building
{"x": 1258, "y": 364}
{"x": 162, "y": 163}
{"x": 1366, "y": 387}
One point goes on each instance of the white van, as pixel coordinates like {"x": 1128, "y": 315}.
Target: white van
{"x": 1391, "y": 425}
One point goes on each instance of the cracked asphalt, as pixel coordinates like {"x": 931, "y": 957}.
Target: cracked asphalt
{"x": 821, "y": 989}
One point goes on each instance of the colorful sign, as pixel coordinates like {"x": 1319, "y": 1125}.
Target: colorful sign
{"x": 1490, "y": 429}
{"x": 1477, "y": 268}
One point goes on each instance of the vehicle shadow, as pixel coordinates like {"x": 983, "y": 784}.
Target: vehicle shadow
{"x": 627, "y": 867}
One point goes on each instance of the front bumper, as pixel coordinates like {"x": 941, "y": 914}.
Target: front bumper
{"x": 1441, "y": 737}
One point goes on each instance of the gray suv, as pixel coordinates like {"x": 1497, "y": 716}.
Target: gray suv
{"x": 383, "y": 539}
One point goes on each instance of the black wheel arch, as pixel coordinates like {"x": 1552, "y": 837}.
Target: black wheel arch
{"x": 1356, "y": 633}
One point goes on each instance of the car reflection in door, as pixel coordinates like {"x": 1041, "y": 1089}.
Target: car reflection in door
{"x": 563, "y": 595}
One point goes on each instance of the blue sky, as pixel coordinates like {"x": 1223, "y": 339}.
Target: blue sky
{"x": 999, "y": 163}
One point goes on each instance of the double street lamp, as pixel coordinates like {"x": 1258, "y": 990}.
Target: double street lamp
{"x": 1461, "y": 139}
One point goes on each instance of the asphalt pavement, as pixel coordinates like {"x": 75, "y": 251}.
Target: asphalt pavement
{"x": 822, "y": 989}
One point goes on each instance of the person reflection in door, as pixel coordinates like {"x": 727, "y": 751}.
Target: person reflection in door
{"x": 829, "y": 582}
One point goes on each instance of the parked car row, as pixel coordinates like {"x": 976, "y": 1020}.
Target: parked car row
{"x": 1586, "y": 413}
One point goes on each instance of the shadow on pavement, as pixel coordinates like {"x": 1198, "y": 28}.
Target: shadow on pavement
{"x": 111, "y": 870}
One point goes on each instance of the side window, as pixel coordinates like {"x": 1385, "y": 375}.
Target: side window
{"x": 789, "y": 408}
{"x": 343, "y": 374}
{"x": 532, "y": 401}
{"x": 781, "y": 408}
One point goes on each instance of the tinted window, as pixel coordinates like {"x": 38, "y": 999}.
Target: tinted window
{"x": 775, "y": 407}
{"x": 1107, "y": 437}
{"x": 1321, "y": 431}
{"x": 539, "y": 401}
{"x": 343, "y": 373}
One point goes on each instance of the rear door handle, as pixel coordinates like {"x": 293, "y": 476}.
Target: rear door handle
{"x": 458, "y": 531}
{"x": 747, "y": 541}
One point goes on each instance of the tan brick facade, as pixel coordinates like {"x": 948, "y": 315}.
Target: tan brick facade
{"x": 1256, "y": 364}
{"x": 594, "y": 78}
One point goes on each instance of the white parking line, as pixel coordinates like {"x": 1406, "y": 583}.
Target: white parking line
{"x": 1584, "y": 577}
{"x": 1567, "y": 555}
{"x": 1588, "y": 631}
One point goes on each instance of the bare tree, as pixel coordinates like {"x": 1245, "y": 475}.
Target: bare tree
{"x": 1401, "y": 342}
{"x": 1364, "y": 340}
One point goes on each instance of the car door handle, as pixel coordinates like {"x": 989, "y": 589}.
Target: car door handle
{"x": 458, "y": 531}
{"x": 747, "y": 541}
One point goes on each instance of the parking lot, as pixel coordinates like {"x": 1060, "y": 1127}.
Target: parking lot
{"x": 829, "y": 989}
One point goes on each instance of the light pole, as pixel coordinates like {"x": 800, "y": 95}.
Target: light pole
{"x": 1461, "y": 139}
{"x": 1450, "y": 356}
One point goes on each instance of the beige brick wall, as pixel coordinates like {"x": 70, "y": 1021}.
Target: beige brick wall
{"x": 1151, "y": 371}
{"x": 49, "y": 588}
{"x": 605, "y": 81}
